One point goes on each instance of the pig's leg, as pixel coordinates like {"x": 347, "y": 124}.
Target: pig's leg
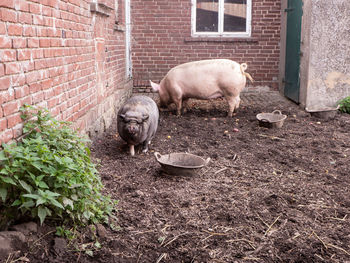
{"x": 238, "y": 101}
{"x": 233, "y": 103}
{"x": 178, "y": 103}
{"x": 184, "y": 106}
{"x": 132, "y": 150}
{"x": 145, "y": 146}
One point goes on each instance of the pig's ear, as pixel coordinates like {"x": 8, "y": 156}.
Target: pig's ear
{"x": 145, "y": 117}
{"x": 155, "y": 86}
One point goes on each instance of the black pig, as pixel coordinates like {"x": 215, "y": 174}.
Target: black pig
{"x": 138, "y": 122}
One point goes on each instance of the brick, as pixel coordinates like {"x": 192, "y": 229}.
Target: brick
{"x": 6, "y": 136}
{"x": 12, "y": 68}
{"x": 46, "y": 84}
{"x": 22, "y": 6}
{"x": 7, "y": 55}
{"x": 46, "y": 11}
{"x": 18, "y": 79}
{"x": 5, "y": 82}
{"x": 25, "y": 18}
{"x": 44, "y": 42}
{"x": 19, "y": 43}
{"x": 6, "y": 96}
{"x": 34, "y": 88}
{"x": 10, "y": 107}
{"x": 51, "y": 102}
{"x": 48, "y": 21}
{"x": 2, "y": 70}
{"x": 18, "y": 130}
{"x": 29, "y": 31}
{"x": 37, "y": 97}
{"x": 21, "y": 92}
{"x": 2, "y": 28}
{"x": 7, "y": 3}
{"x": 48, "y": 53}
{"x": 37, "y": 53}
{"x": 27, "y": 66}
{"x": 53, "y": 3}
{"x": 33, "y": 76}
{"x": 49, "y": 93}
{"x": 3, "y": 124}
{"x": 40, "y": 64}
{"x": 26, "y": 100}
{"x": 8, "y": 15}
{"x": 13, "y": 120}
{"x": 38, "y": 20}
{"x": 55, "y": 42}
{"x": 24, "y": 54}
{"x": 34, "y": 8}
{"x": 5, "y": 42}
{"x": 32, "y": 42}
{"x": 15, "y": 30}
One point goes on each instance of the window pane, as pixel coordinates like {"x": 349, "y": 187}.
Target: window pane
{"x": 235, "y": 16}
{"x": 207, "y": 16}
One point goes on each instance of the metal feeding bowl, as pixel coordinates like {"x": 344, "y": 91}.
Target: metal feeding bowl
{"x": 273, "y": 119}
{"x": 180, "y": 163}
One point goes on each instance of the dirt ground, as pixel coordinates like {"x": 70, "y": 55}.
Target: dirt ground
{"x": 267, "y": 195}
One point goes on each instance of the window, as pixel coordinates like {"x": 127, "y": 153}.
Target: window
{"x": 221, "y": 18}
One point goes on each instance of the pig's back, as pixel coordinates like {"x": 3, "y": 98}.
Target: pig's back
{"x": 205, "y": 78}
{"x": 142, "y": 104}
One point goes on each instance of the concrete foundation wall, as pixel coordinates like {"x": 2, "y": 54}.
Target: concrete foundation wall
{"x": 328, "y": 58}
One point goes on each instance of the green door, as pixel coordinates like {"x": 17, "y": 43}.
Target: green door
{"x": 291, "y": 77}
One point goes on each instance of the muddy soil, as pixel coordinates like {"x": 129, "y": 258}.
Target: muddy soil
{"x": 267, "y": 195}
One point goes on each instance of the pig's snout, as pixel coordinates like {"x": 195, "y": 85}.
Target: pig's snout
{"x": 133, "y": 129}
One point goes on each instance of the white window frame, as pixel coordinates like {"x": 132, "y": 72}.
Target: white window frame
{"x": 221, "y": 32}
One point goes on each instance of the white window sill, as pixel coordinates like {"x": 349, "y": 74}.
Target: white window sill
{"x": 220, "y": 39}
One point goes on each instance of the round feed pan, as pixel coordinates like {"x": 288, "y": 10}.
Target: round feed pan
{"x": 180, "y": 163}
{"x": 273, "y": 119}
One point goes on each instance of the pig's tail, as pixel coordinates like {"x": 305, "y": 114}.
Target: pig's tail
{"x": 243, "y": 67}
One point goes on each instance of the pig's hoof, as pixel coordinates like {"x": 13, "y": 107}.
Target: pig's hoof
{"x": 132, "y": 150}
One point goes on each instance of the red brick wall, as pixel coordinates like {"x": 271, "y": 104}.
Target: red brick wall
{"x": 162, "y": 39}
{"x": 59, "y": 55}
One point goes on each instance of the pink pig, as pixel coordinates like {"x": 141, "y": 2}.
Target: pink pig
{"x": 205, "y": 79}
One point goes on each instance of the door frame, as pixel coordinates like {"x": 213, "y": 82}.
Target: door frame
{"x": 293, "y": 54}
{"x": 304, "y": 49}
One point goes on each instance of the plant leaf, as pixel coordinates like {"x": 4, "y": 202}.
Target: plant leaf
{"x": 97, "y": 244}
{"x": 8, "y": 180}
{"x": 42, "y": 214}
{"x": 2, "y": 156}
{"x": 51, "y": 194}
{"x": 43, "y": 185}
{"x": 3, "y": 194}
{"x": 40, "y": 201}
{"x": 28, "y": 204}
{"x": 89, "y": 252}
{"x": 4, "y": 171}
{"x": 16, "y": 203}
{"x": 56, "y": 203}
{"x": 26, "y": 186}
{"x": 68, "y": 202}
{"x": 33, "y": 196}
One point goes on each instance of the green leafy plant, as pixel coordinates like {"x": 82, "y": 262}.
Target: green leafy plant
{"x": 49, "y": 173}
{"x": 344, "y": 105}
{"x": 61, "y": 231}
